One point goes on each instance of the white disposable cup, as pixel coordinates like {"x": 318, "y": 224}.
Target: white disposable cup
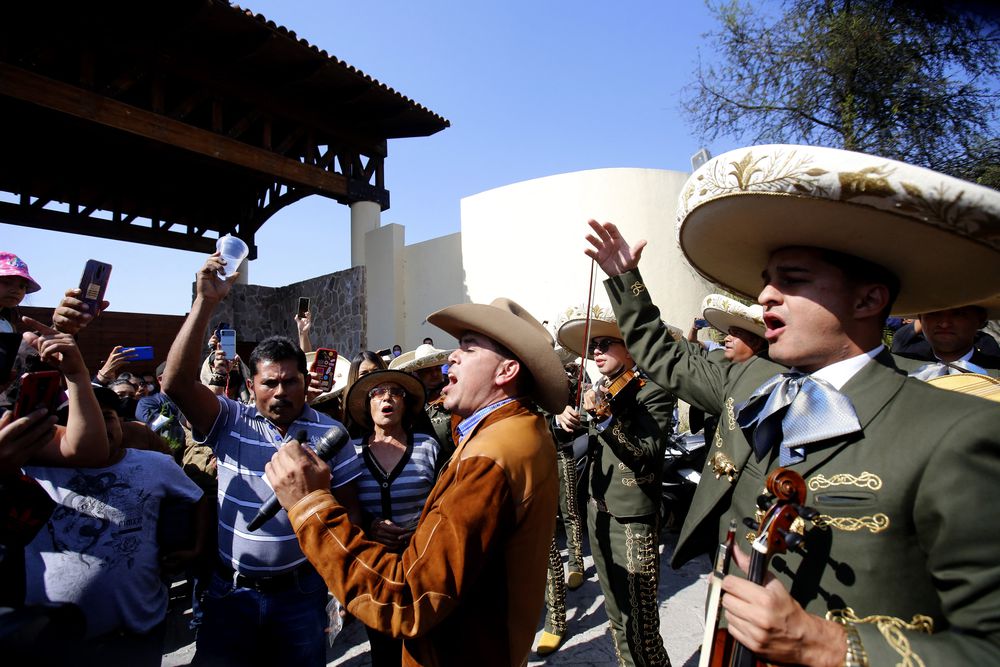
{"x": 233, "y": 251}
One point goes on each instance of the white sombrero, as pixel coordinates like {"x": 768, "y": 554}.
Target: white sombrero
{"x": 571, "y": 333}
{"x": 424, "y": 356}
{"x": 938, "y": 234}
{"x": 508, "y": 323}
{"x": 724, "y": 313}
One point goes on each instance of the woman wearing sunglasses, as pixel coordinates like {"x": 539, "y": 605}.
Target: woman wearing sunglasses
{"x": 399, "y": 470}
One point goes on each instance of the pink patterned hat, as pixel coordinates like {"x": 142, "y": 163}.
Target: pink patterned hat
{"x": 12, "y": 265}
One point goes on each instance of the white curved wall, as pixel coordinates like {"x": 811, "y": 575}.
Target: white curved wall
{"x": 525, "y": 241}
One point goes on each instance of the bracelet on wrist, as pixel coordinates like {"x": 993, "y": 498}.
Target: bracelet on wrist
{"x": 218, "y": 380}
{"x": 855, "y": 655}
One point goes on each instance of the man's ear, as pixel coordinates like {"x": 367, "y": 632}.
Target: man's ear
{"x": 507, "y": 371}
{"x": 870, "y": 300}
{"x": 249, "y": 382}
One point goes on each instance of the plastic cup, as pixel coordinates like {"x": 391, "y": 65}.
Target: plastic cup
{"x": 233, "y": 251}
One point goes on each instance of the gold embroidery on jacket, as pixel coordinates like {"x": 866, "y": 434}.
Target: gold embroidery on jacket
{"x": 637, "y": 288}
{"x": 636, "y": 481}
{"x": 730, "y": 414}
{"x": 892, "y": 629}
{"x": 850, "y": 524}
{"x": 865, "y": 480}
{"x": 723, "y": 465}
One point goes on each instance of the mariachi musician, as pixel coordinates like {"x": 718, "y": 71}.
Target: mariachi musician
{"x": 630, "y": 420}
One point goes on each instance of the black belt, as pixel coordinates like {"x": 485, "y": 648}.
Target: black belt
{"x": 272, "y": 584}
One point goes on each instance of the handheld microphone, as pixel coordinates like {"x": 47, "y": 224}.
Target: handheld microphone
{"x": 328, "y": 446}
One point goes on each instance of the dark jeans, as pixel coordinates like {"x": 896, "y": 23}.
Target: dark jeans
{"x": 244, "y": 626}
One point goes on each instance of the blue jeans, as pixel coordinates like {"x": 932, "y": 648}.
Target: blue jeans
{"x": 243, "y": 626}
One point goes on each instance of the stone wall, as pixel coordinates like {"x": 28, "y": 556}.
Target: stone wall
{"x": 337, "y": 306}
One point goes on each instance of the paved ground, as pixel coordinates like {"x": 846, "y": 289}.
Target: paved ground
{"x": 682, "y": 600}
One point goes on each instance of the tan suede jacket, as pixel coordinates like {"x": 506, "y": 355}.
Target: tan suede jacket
{"x": 469, "y": 588}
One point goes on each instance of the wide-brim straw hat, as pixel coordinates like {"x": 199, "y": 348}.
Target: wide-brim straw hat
{"x": 340, "y": 372}
{"x": 724, "y": 313}
{"x": 571, "y": 334}
{"x": 424, "y": 356}
{"x": 357, "y": 397}
{"x": 938, "y": 234}
{"x": 509, "y": 324}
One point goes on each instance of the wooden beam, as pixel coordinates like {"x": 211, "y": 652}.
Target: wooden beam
{"x": 59, "y": 96}
{"x": 56, "y": 221}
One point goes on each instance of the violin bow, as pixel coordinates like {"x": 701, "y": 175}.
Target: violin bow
{"x": 586, "y": 341}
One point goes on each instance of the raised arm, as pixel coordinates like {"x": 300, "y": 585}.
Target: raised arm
{"x": 84, "y": 442}
{"x": 181, "y": 378}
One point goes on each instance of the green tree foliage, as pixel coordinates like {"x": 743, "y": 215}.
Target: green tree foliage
{"x": 918, "y": 82}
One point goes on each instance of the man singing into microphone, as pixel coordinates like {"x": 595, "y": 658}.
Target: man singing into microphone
{"x": 265, "y": 603}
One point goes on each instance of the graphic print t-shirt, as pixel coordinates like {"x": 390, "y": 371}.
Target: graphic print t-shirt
{"x": 99, "y": 548}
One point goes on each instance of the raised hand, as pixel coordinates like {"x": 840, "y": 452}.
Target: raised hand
{"x": 208, "y": 285}
{"x": 72, "y": 314}
{"x": 56, "y": 349}
{"x": 610, "y": 250}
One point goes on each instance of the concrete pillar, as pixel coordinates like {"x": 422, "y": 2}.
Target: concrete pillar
{"x": 384, "y": 291}
{"x": 365, "y": 218}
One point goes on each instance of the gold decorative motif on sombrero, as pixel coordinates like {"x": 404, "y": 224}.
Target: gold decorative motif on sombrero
{"x": 723, "y": 465}
{"x": 866, "y": 480}
{"x": 637, "y": 288}
{"x": 873, "y": 524}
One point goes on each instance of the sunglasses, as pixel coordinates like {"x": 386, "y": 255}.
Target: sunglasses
{"x": 602, "y": 344}
{"x": 379, "y": 392}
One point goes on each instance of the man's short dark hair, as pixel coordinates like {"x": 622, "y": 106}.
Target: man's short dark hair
{"x": 863, "y": 272}
{"x": 428, "y": 341}
{"x": 275, "y": 349}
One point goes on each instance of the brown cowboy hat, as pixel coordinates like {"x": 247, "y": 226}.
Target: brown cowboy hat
{"x": 939, "y": 235}
{"x": 357, "y": 397}
{"x": 571, "y": 333}
{"x": 509, "y": 324}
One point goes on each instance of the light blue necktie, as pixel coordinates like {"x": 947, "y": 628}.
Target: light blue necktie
{"x": 791, "y": 410}
{"x": 937, "y": 369}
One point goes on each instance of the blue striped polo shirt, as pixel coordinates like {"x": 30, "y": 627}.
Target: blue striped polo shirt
{"x": 244, "y": 441}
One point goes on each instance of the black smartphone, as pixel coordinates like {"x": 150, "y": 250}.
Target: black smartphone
{"x": 303, "y": 306}
{"x": 94, "y": 283}
{"x": 40, "y": 389}
{"x": 219, "y": 327}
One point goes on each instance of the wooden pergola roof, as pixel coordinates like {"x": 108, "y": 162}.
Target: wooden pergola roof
{"x": 173, "y": 123}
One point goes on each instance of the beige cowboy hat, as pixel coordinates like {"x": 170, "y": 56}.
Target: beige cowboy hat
{"x": 724, "y": 313}
{"x": 357, "y": 397}
{"x": 424, "y": 356}
{"x": 509, "y": 324}
{"x": 938, "y": 234}
{"x": 571, "y": 333}
{"x": 340, "y": 371}
{"x": 991, "y": 306}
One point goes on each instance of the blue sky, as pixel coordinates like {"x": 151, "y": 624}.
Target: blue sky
{"x": 531, "y": 89}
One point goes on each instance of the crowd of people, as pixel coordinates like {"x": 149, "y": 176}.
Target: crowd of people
{"x": 421, "y": 489}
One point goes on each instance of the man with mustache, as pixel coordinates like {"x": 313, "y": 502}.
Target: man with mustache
{"x": 951, "y": 334}
{"x": 897, "y": 566}
{"x": 265, "y": 603}
{"x": 469, "y": 586}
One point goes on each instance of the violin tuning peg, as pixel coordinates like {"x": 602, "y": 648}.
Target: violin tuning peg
{"x": 750, "y": 523}
{"x": 806, "y": 513}
{"x": 793, "y": 540}
{"x": 763, "y": 502}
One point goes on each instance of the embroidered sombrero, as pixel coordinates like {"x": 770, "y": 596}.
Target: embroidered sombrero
{"x": 940, "y": 235}
{"x": 424, "y": 356}
{"x": 571, "y": 333}
{"x": 724, "y": 313}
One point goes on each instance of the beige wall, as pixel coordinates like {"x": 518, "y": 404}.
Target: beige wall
{"x": 434, "y": 279}
{"x": 526, "y": 240}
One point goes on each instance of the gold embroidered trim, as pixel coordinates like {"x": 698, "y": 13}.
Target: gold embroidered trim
{"x": 850, "y": 524}
{"x": 892, "y": 630}
{"x": 723, "y": 465}
{"x": 636, "y": 481}
{"x": 623, "y": 440}
{"x": 637, "y": 288}
{"x": 866, "y": 479}
{"x": 730, "y": 414}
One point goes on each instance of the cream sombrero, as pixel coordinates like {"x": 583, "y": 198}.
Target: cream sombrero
{"x": 724, "y": 313}
{"x": 424, "y": 356}
{"x": 357, "y": 397}
{"x": 939, "y": 235}
{"x": 509, "y": 324}
{"x": 571, "y": 333}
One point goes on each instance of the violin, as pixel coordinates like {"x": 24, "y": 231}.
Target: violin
{"x": 774, "y": 536}
{"x": 627, "y": 382}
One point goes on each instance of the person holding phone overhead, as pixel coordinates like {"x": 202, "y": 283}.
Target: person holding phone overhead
{"x": 265, "y": 603}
